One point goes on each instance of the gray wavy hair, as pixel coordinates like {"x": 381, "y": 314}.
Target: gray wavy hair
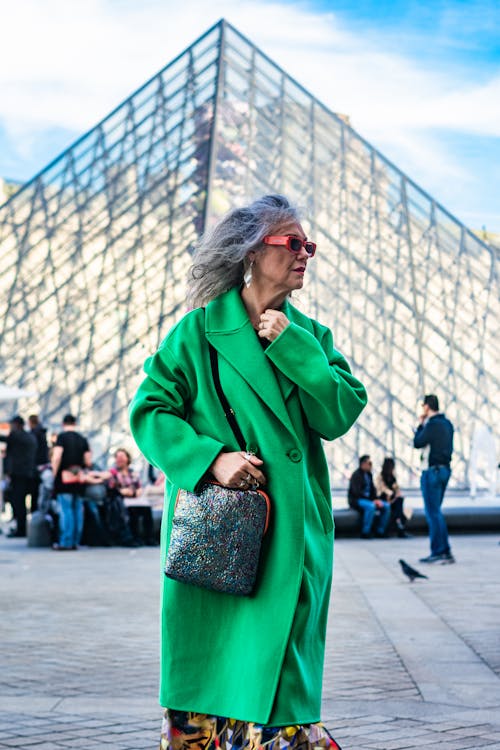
{"x": 220, "y": 257}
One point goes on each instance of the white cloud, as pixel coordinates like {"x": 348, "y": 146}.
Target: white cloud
{"x": 66, "y": 64}
{"x": 378, "y": 89}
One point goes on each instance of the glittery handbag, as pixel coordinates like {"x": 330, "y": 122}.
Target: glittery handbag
{"x": 216, "y": 538}
{"x": 217, "y": 533}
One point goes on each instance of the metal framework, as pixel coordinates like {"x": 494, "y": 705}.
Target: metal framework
{"x": 96, "y": 246}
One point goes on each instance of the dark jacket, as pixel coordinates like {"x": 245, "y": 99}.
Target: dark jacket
{"x": 20, "y": 459}
{"x": 42, "y": 452}
{"x": 438, "y": 433}
{"x": 357, "y": 488}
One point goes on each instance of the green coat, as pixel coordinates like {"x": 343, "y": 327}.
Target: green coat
{"x": 257, "y": 658}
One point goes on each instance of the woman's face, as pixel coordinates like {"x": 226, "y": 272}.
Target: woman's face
{"x": 276, "y": 268}
{"x": 121, "y": 460}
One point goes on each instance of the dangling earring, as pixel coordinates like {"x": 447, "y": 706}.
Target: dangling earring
{"x": 247, "y": 276}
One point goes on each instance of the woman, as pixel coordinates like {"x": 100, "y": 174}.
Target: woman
{"x": 241, "y": 669}
{"x": 138, "y": 508}
{"x": 123, "y": 486}
{"x": 387, "y": 489}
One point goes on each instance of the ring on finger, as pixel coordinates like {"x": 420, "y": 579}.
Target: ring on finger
{"x": 243, "y": 483}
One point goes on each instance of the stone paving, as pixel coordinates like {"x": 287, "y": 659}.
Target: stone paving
{"x": 407, "y": 666}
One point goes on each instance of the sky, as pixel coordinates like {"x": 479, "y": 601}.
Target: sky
{"x": 419, "y": 80}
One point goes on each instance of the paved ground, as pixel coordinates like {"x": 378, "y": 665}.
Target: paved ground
{"x": 408, "y": 665}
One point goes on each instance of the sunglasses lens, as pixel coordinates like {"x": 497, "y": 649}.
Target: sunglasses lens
{"x": 295, "y": 244}
{"x": 310, "y": 248}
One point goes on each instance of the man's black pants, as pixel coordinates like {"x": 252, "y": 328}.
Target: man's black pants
{"x": 20, "y": 486}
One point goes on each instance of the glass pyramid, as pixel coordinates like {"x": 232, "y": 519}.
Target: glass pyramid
{"x": 95, "y": 250}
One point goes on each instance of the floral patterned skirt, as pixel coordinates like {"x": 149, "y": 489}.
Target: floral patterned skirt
{"x": 183, "y": 730}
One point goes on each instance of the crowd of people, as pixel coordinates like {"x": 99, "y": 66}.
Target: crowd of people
{"x": 108, "y": 507}
{"x": 78, "y": 501}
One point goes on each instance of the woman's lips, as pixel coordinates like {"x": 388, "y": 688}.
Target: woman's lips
{"x": 301, "y": 269}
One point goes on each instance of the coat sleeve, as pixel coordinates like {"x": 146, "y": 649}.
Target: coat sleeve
{"x": 332, "y": 398}
{"x": 422, "y": 436}
{"x": 158, "y": 420}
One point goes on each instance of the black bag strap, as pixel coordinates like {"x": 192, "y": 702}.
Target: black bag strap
{"x": 214, "y": 362}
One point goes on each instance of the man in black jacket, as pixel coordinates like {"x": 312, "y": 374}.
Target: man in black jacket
{"x": 362, "y": 496}
{"x": 42, "y": 456}
{"x": 20, "y": 467}
{"x": 436, "y": 432}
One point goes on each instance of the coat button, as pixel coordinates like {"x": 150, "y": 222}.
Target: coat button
{"x": 294, "y": 455}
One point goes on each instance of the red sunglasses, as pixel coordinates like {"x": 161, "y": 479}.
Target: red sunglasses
{"x": 292, "y": 244}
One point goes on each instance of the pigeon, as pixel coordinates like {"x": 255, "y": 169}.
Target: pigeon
{"x": 410, "y": 572}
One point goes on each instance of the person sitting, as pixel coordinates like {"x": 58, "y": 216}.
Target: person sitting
{"x": 125, "y": 481}
{"x": 95, "y": 532}
{"x": 387, "y": 489}
{"x": 362, "y": 496}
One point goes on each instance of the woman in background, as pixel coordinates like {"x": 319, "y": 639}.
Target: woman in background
{"x": 388, "y": 489}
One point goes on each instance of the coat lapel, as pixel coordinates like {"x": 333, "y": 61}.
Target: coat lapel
{"x": 229, "y": 330}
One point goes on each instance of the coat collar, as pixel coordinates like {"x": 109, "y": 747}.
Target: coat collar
{"x": 229, "y": 330}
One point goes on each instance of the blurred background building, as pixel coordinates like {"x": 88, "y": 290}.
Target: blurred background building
{"x": 95, "y": 250}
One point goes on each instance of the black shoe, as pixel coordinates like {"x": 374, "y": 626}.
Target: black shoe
{"x": 15, "y": 535}
{"x": 447, "y": 559}
{"x": 364, "y": 535}
{"x": 381, "y": 535}
{"x": 444, "y": 559}
{"x": 430, "y": 559}
{"x": 402, "y": 534}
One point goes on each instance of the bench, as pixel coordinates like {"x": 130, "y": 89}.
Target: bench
{"x": 459, "y": 519}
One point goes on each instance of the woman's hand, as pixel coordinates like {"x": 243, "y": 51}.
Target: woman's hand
{"x": 238, "y": 469}
{"x": 127, "y": 491}
{"x": 95, "y": 477}
{"x": 272, "y": 323}
{"x": 90, "y": 477}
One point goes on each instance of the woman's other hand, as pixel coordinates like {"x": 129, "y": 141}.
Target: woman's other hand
{"x": 95, "y": 477}
{"x": 238, "y": 469}
{"x": 127, "y": 491}
{"x": 272, "y": 323}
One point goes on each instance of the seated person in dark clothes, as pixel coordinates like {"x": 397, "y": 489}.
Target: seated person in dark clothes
{"x": 362, "y": 496}
{"x": 95, "y": 532}
{"x": 124, "y": 480}
{"x": 388, "y": 489}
